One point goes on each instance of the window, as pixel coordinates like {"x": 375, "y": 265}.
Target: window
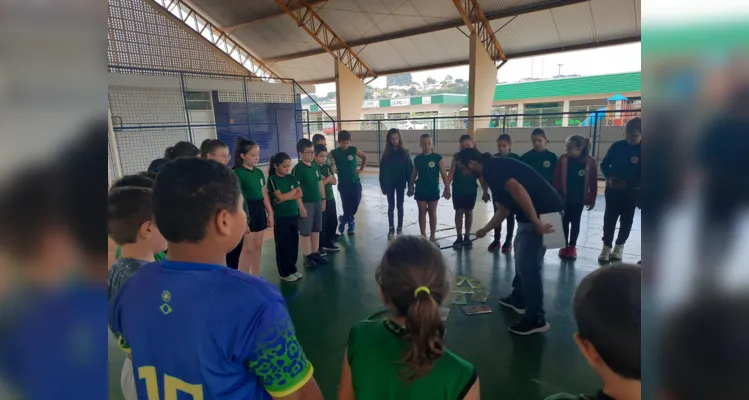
{"x": 199, "y": 100}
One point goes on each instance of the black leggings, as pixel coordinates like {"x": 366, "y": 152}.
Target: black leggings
{"x": 572, "y": 215}
{"x": 620, "y": 205}
{"x": 510, "y": 228}
{"x": 393, "y": 195}
{"x": 286, "y": 235}
{"x": 329, "y": 223}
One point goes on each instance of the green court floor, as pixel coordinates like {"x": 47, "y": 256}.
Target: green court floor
{"x": 330, "y": 299}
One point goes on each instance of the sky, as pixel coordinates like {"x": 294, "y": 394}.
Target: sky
{"x": 600, "y": 61}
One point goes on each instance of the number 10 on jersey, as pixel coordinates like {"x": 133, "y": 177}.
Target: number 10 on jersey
{"x": 172, "y": 385}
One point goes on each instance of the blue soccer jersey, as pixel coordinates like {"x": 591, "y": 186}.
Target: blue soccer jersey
{"x": 209, "y": 332}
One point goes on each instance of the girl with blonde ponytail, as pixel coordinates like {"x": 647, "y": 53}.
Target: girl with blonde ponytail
{"x": 405, "y": 357}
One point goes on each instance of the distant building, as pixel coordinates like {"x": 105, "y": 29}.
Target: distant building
{"x": 399, "y": 80}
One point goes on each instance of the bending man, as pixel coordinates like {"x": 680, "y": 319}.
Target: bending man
{"x": 517, "y": 188}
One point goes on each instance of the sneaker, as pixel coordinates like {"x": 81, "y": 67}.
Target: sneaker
{"x": 572, "y": 252}
{"x": 507, "y": 302}
{"x": 322, "y": 252}
{"x": 467, "y": 243}
{"x": 399, "y": 230}
{"x": 494, "y": 245}
{"x": 507, "y": 247}
{"x": 318, "y": 259}
{"x": 525, "y": 327}
{"x": 298, "y": 275}
{"x": 290, "y": 278}
{"x": 309, "y": 262}
{"x": 351, "y": 226}
{"x": 458, "y": 243}
{"x": 391, "y": 233}
{"x": 341, "y": 225}
{"x": 330, "y": 248}
{"x": 563, "y": 252}
{"x": 605, "y": 254}
{"x": 617, "y": 253}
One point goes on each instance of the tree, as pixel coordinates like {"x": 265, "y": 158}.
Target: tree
{"x": 460, "y": 81}
{"x": 330, "y": 96}
{"x": 448, "y": 79}
{"x": 368, "y": 91}
{"x": 412, "y": 91}
{"x": 431, "y": 81}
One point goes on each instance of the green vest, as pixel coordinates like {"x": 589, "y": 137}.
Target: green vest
{"x": 428, "y": 166}
{"x": 326, "y": 171}
{"x": 464, "y": 184}
{"x": 375, "y": 349}
{"x": 346, "y": 163}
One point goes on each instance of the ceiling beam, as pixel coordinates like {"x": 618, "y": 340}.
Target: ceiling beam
{"x": 449, "y": 64}
{"x": 232, "y": 28}
{"x": 476, "y": 22}
{"x": 308, "y": 19}
{"x": 432, "y": 28}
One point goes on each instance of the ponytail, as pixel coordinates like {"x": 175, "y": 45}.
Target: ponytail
{"x": 413, "y": 278}
{"x": 242, "y": 147}
{"x": 581, "y": 142}
{"x": 586, "y": 148}
{"x": 426, "y": 331}
{"x": 275, "y": 161}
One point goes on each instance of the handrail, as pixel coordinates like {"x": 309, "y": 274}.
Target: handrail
{"x": 561, "y": 113}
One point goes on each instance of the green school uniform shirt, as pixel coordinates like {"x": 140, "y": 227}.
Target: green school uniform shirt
{"x": 157, "y": 257}
{"x": 326, "y": 171}
{"x": 309, "y": 178}
{"x": 346, "y": 163}
{"x": 252, "y": 182}
{"x": 284, "y": 184}
{"x": 428, "y": 181}
{"x": 463, "y": 184}
{"x": 544, "y": 162}
{"x": 575, "y": 181}
{"x": 375, "y": 349}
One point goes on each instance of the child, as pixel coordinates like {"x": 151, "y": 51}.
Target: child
{"x": 622, "y": 168}
{"x": 331, "y": 225}
{"x": 349, "y": 185}
{"x": 464, "y": 191}
{"x": 214, "y": 149}
{"x": 428, "y": 166}
{"x": 329, "y": 220}
{"x": 405, "y": 357}
{"x": 182, "y": 149}
{"x": 607, "y": 311}
{"x": 307, "y": 173}
{"x": 504, "y": 149}
{"x": 257, "y": 206}
{"x": 542, "y": 160}
{"x": 395, "y": 171}
{"x": 287, "y": 208}
{"x": 130, "y": 224}
{"x": 576, "y": 180}
{"x": 142, "y": 180}
{"x": 191, "y": 304}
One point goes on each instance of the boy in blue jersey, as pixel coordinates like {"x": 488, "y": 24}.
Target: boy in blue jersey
{"x": 193, "y": 326}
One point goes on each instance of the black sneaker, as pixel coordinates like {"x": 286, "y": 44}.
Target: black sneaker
{"x": 318, "y": 258}
{"x": 391, "y": 233}
{"x": 494, "y": 245}
{"x": 525, "y": 327}
{"x": 458, "y": 243}
{"x": 399, "y": 231}
{"x": 322, "y": 252}
{"x": 507, "y": 302}
{"x": 467, "y": 243}
{"x": 330, "y": 247}
{"x": 309, "y": 261}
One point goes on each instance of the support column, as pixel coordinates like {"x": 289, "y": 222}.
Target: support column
{"x": 566, "y": 109}
{"x": 482, "y": 80}
{"x": 349, "y": 96}
{"x": 521, "y": 110}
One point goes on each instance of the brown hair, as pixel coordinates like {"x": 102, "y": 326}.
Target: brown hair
{"x": 580, "y": 141}
{"x": 389, "y": 146}
{"x": 127, "y": 209}
{"x": 344, "y": 135}
{"x": 505, "y": 137}
{"x": 409, "y": 263}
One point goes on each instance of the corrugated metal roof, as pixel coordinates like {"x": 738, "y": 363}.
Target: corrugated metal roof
{"x": 399, "y": 35}
{"x": 584, "y": 85}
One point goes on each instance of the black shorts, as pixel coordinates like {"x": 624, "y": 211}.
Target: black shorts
{"x": 257, "y": 218}
{"x": 464, "y": 202}
{"x": 429, "y": 197}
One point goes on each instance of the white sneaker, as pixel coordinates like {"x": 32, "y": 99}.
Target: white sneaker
{"x": 290, "y": 278}
{"x": 617, "y": 253}
{"x": 605, "y": 254}
{"x": 298, "y": 275}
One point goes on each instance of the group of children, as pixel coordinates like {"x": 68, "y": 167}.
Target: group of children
{"x": 574, "y": 175}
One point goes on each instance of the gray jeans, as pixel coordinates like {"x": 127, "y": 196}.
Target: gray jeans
{"x": 527, "y": 287}
{"x": 313, "y": 222}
